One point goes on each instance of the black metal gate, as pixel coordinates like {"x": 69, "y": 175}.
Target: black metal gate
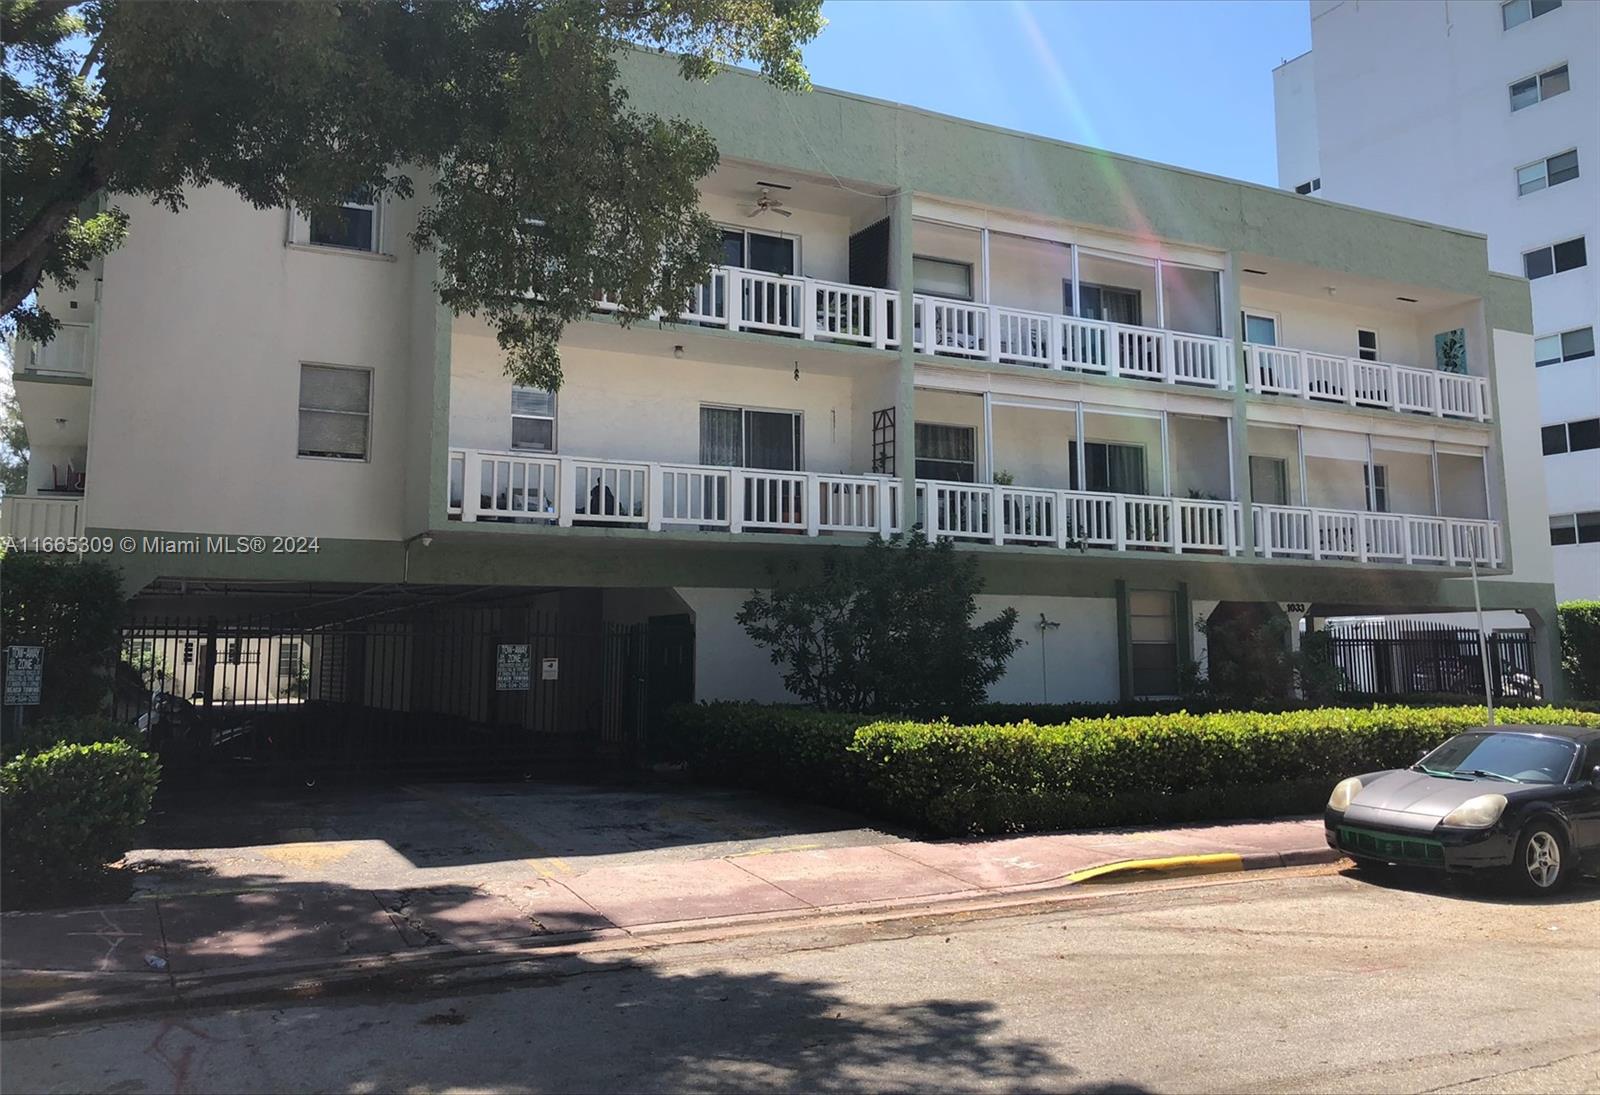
{"x": 418, "y": 688}
{"x": 1399, "y": 658}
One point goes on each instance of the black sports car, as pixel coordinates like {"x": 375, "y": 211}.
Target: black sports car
{"x": 1521, "y": 800}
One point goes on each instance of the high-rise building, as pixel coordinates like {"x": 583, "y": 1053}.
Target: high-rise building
{"x": 1484, "y": 116}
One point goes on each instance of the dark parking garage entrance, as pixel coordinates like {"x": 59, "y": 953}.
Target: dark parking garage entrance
{"x": 448, "y": 683}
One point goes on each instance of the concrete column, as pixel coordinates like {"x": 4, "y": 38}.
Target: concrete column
{"x": 905, "y": 449}
{"x": 1547, "y": 649}
{"x": 1239, "y": 436}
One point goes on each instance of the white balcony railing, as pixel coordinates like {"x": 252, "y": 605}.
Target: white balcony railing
{"x": 69, "y": 353}
{"x": 577, "y": 491}
{"x": 814, "y": 309}
{"x": 28, "y": 517}
{"x": 1296, "y": 532}
{"x": 1279, "y": 370}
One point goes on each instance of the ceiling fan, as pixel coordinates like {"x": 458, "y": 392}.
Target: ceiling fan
{"x": 766, "y": 203}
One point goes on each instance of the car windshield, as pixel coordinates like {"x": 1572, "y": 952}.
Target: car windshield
{"x": 1522, "y": 758}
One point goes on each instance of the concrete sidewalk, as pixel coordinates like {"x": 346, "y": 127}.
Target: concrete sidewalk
{"x": 177, "y": 947}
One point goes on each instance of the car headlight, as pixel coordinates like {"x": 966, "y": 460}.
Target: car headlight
{"x": 1477, "y": 813}
{"x": 1343, "y": 792}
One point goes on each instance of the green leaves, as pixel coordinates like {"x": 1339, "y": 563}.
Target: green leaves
{"x": 1088, "y": 772}
{"x": 542, "y": 187}
{"x": 888, "y": 628}
{"x": 1580, "y": 647}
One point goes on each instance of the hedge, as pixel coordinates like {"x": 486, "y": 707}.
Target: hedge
{"x": 68, "y": 810}
{"x": 1580, "y": 647}
{"x": 961, "y": 779}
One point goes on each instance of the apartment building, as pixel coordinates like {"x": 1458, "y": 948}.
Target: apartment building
{"x": 1133, "y": 393}
{"x": 1486, "y": 116}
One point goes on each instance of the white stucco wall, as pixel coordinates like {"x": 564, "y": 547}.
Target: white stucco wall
{"x": 624, "y": 406}
{"x": 1078, "y": 660}
{"x": 206, "y": 317}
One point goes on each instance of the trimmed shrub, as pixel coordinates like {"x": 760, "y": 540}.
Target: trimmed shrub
{"x": 83, "y": 730}
{"x": 1580, "y": 647}
{"x": 955, "y": 779}
{"x": 70, "y": 809}
{"x": 786, "y": 750}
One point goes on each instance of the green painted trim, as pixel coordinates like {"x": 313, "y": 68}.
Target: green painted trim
{"x": 508, "y": 555}
{"x": 439, "y": 440}
{"x": 1124, "y": 642}
{"x": 889, "y": 146}
{"x": 1510, "y": 304}
{"x": 28, "y": 376}
{"x": 1183, "y": 609}
{"x": 905, "y": 402}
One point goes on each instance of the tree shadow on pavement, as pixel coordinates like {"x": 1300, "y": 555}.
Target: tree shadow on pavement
{"x": 712, "y": 1016}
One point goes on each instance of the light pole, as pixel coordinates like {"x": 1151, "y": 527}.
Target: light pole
{"x": 1483, "y": 638}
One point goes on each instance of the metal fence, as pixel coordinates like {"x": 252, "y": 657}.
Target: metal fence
{"x": 419, "y": 689}
{"x": 1400, "y": 658}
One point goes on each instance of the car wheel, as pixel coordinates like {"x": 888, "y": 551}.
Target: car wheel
{"x": 1542, "y": 864}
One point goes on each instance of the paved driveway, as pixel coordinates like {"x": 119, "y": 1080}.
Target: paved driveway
{"x": 478, "y": 834}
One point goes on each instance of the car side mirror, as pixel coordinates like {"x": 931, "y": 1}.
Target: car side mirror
{"x": 1594, "y": 776}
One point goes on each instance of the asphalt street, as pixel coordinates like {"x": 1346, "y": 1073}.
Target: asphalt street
{"x": 1283, "y": 981}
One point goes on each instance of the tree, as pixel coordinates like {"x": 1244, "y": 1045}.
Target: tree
{"x": 544, "y": 186}
{"x": 72, "y": 609}
{"x": 1247, "y": 655}
{"x": 13, "y": 445}
{"x": 884, "y": 629}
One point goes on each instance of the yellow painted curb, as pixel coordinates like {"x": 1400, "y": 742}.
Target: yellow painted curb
{"x": 1170, "y": 866}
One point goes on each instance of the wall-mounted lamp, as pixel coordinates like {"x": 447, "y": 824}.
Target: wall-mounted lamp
{"x": 677, "y": 352}
{"x": 61, "y": 423}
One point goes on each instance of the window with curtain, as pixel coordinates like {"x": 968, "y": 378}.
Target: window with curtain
{"x": 947, "y": 452}
{"x": 1153, "y": 631}
{"x": 1112, "y": 468}
{"x": 1269, "y": 480}
{"x": 533, "y": 419}
{"x": 1104, "y": 302}
{"x": 738, "y": 437}
{"x": 335, "y": 411}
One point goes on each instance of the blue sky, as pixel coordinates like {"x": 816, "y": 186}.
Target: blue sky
{"x": 1183, "y": 83}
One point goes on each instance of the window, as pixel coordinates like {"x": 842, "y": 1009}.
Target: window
{"x": 1366, "y": 344}
{"x": 1513, "y": 13}
{"x": 1112, "y": 469}
{"x": 353, "y": 225}
{"x": 1260, "y": 330}
{"x": 533, "y": 419}
{"x": 738, "y": 437}
{"x": 1105, "y": 302}
{"x": 335, "y": 411}
{"x": 1309, "y": 187}
{"x": 1580, "y": 436}
{"x": 758, "y": 251}
{"x": 1555, "y": 259}
{"x": 1575, "y": 528}
{"x": 289, "y": 659}
{"x": 1536, "y": 89}
{"x": 947, "y": 452}
{"x": 1153, "y": 634}
{"x": 1573, "y": 345}
{"x": 941, "y": 277}
{"x": 1377, "y": 488}
{"x": 1548, "y": 172}
{"x": 1269, "y": 480}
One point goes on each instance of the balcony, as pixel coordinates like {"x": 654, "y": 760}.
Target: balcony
{"x": 567, "y": 491}
{"x": 70, "y": 353}
{"x": 1304, "y": 374}
{"x": 818, "y": 310}
{"x": 30, "y": 517}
